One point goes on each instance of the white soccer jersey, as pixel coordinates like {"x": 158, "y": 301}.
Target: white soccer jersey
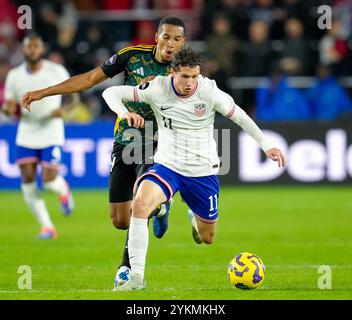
{"x": 185, "y": 123}
{"x": 37, "y": 129}
{"x": 186, "y": 143}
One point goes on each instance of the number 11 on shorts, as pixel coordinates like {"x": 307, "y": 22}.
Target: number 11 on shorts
{"x": 213, "y": 199}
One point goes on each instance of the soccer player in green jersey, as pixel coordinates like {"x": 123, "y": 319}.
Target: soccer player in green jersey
{"x": 138, "y": 62}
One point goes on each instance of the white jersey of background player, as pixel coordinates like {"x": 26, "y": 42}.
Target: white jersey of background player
{"x": 186, "y": 161}
{"x": 37, "y": 129}
{"x": 40, "y": 133}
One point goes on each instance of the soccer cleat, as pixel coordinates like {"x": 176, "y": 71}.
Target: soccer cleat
{"x": 195, "y": 233}
{"x": 122, "y": 276}
{"x": 67, "y": 203}
{"x": 160, "y": 220}
{"x": 134, "y": 283}
{"x": 47, "y": 233}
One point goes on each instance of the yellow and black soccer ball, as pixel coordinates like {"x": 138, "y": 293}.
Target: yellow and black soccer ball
{"x": 246, "y": 271}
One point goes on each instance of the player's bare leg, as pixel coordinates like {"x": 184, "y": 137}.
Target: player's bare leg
{"x": 148, "y": 197}
{"x": 120, "y": 214}
{"x": 54, "y": 182}
{"x": 207, "y": 231}
{"x": 202, "y": 231}
{"x": 28, "y": 172}
{"x": 34, "y": 200}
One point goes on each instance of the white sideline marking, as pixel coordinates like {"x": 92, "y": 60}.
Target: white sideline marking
{"x": 54, "y": 291}
{"x": 96, "y": 291}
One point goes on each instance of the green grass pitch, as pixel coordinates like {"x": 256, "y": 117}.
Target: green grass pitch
{"x": 294, "y": 230}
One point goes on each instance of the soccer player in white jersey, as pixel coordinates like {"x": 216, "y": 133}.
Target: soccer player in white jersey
{"x": 40, "y": 133}
{"x": 184, "y": 104}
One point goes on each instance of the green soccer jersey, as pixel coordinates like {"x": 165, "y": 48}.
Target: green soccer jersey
{"x": 138, "y": 62}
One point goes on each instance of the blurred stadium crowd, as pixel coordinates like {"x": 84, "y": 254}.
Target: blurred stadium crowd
{"x": 269, "y": 54}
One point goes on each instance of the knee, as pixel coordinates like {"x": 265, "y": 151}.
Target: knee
{"x": 119, "y": 219}
{"x": 208, "y": 237}
{"x": 119, "y": 223}
{"x": 140, "y": 208}
{"x": 46, "y": 180}
{"x": 28, "y": 179}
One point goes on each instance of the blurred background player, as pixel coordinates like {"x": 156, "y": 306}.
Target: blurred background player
{"x": 184, "y": 104}
{"x": 138, "y": 62}
{"x": 40, "y": 132}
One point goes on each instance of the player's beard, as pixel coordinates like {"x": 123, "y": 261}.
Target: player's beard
{"x": 33, "y": 61}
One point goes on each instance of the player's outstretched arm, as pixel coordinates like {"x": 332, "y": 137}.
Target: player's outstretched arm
{"x": 225, "y": 104}
{"x": 75, "y": 84}
{"x": 114, "y": 96}
{"x": 240, "y": 117}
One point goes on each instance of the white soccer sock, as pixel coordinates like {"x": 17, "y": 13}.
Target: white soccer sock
{"x": 138, "y": 244}
{"x": 58, "y": 185}
{"x": 36, "y": 204}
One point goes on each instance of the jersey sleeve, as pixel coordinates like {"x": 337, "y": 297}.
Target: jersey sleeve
{"x": 10, "y": 90}
{"x": 116, "y": 64}
{"x": 147, "y": 92}
{"x": 223, "y": 102}
{"x": 114, "y": 96}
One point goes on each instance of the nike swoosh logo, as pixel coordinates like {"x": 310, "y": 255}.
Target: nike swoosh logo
{"x": 212, "y": 214}
{"x": 165, "y": 108}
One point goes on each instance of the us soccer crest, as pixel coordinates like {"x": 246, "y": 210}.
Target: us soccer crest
{"x": 199, "y": 109}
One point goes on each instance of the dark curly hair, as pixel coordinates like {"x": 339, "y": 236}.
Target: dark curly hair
{"x": 186, "y": 57}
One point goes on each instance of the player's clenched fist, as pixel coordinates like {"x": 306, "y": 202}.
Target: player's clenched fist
{"x": 133, "y": 119}
{"x": 29, "y": 97}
